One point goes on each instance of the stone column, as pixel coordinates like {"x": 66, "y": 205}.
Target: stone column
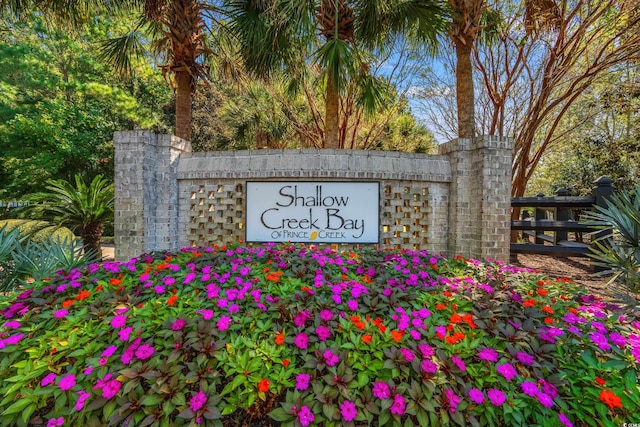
{"x": 146, "y": 192}
{"x": 480, "y": 197}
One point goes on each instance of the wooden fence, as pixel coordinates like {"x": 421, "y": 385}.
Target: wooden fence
{"x": 551, "y": 225}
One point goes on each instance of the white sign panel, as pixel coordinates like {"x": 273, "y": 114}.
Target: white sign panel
{"x": 319, "y": 212}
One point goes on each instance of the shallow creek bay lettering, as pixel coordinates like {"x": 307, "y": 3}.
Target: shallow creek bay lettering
{"x": 323, "y": 215}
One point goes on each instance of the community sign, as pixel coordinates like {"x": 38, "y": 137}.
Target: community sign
{"x": 320, "y": 212}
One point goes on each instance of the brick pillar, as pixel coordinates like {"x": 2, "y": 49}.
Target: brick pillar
{"x": 146, "y": 192}
{"x": 480, "y": 197}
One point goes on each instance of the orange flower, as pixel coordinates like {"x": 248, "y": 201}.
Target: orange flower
{"x": 172, "y": 300}
{"x": 543, "y": 292}
{"x": 99, "y": 288}
{"x": 285, "y": 362}
{"x": 529, "y": 303}
{"x": 600, "y": 381}
{"x": 456, "y": 338}
{"x": 280, "y": 339}
{"x": 263, "y": 385}
{"x": 67, "y": 303}
{"x": 469, "y": 319}
{"x": 396, "y": 335}
{"x": 274, "y": 276}
{"x": 455, "y": 318}
{"x": 114, "y": 281}
{"x": 547, "y": 309}
{"x": 82, "y": 295}
{"x": 440, "y": 306}
{"x": 610, "y": 399}
{"x": 548, "y": 320}
{"x": 367, "y": 339}
{"x": 447, "y": 294}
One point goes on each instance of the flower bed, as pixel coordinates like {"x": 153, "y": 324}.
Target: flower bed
{"x": 294, "y": 335}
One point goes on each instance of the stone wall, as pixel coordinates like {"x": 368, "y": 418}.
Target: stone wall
{"x": 454, "y": 203}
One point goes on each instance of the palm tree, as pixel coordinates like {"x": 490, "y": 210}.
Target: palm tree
{"x": 85, "y": 209}
{"x": 176, "y": 30}
{"x": 335, "y": 36}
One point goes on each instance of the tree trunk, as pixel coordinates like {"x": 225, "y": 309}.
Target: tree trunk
{"x": 91, "y": 237}
{"x": 465, "y": 96}
{"x": 331, "y": 125}
{"x": 184, "y": 87}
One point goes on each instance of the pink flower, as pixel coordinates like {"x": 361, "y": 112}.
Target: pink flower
{"x": 12, "y": 324}
{"x": 399, "y": 405}
{"x": 426, "y": 350}
{"x": 305, "y": 416}
{"x": 476, "y": 396}
{"x": 145, "y": 351}
{"x": 488, "y": 354}
{"x": 496, "y": 397}
{"x": 429, "y": 366}
{"x": 564, "y": 420}
{"x": 198, "y": 401}
{"x": 381, "y": 390}
{"x": 348, "y": 410}
{"x": 48, "y": 379}
{"x": 545, "y": 400}
{"x": 330, "y": 358}
{"x": 108, "y": 352}
{"x": 301, "y": 318}
{"x": 223, "y": 323}
{"x": 88, "y": 370}
{"x": 55, "y": 422}
{"x": 507, "y": 371}
{"x": 102, "y": 382}
{"x": 529, "y": 388}
{"x": 327, "y": 315}
{"x": 323, "y": 332}
{"x": 111, "y": 388}
{"x": 352, "y": 304}
{"x": 83, "y": 397}
{"x": 301, "y": 341}
{"x": 459, "y": 363}
{"x": 302, "y": 381}
{"x": 124, "y": 333}
{"x": 178, "y": 325}
{"x": 407, "y": 354}
{"x": 118, "y": 321}
{"x": 454, "y": 400}
{"x": 525, "y": 358}
{"x": 67, "y": 382}
{"x": 206, "y": 314}
{"x": 60, "y": 314}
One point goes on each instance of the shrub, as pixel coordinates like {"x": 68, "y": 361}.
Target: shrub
{"x": 295, "y": 335}
{"x": 36, "y": 230}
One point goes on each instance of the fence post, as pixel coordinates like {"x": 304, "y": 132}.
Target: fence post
{"x": 562, "y": 214}
{"x": 602, "y": 191}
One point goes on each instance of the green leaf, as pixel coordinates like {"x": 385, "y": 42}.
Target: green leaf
{"x": 280, "y": 415}
{"x": 152, "y": 400}
{"x": 237, "y": 381}
{"x": 17, "y": 406}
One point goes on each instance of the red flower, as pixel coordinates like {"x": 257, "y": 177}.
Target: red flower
{"x": 263, "y": 385}
{"x": 67, "y": 303}
{"x": 280, "y": 339}
{"x": 455, "y": 318}
{"x": 82, "y": 295}
{"x": 548, "y": 320}
{"x": 172, "y": 300}
{"x": 529, "y": 303}
{"x": 542, "y": 292}
{"x": 114, "y": 281}
{"x": 274, "y": 276}
{"x": 366, "y": 339}
{"x": 469, "y": 319}
{"x": 440, "y": 306}
{"x": 99, "y": 288}
{"x": 397, "y": 335}
{"x": 600, "y": 381}
{"x": 547, "y": 309}
{"x": 610, "y": 399}
{"x": 285, "y": 362}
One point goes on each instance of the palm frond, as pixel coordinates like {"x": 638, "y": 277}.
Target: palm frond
{"x": 121, "y": 51}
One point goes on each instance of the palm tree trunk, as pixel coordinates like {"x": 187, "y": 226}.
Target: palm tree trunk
{"x": 331, "y": 125}
{"x": 91, "y": 236}
{"x": 184, "y": 87}
{"x": 464, "y": 90}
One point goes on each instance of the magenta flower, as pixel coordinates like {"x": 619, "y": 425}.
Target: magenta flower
{"x": 13, "y": 339}
{"x": 305, "y": 416}
{"x": 178, "y": 324}
{"x": 60, "y": 313}
{"x": 488, "y": 354}
{"x": 525, "y": 358}
{"x": 102, "y": 382}
{"x": 429, "y": 366}
{"x": 198, "y": 401}
{"x": 111, "y": 388}
{"x": 55, "y": 422}
{"x": 145, "y": 351}
{"x": 330, "y": 358}
{"x": 459, "y": 363}
{"x": 125, "y": 333}
{"x": 67, "y": 382}
{"x": 48, "y": 379}
{"x": 83, "y": 397}
{"x": 88, "y": 370}
{"x": 302, "y": 381}
{"x": 159, "y": 289}
{"x": 348, "y": 410}
{"x": 12, "y": 324}
{"x": 496, "y": 397}
{"x": 381, "y": 390}
{"x": 223, "y": 323}
{"x": 301, "y": 340}
{"x": 352, "y": 304}
{"x": 545, "y": 400}
{"x": 323, "y": 332}
{"x": 426, "y": 350}
{"x": 454, "y": 400}
{"x": 564, "y": 420}
{"x": 300, "y": 319}
{"x": 326, "y": 315}
{"x": 206, "y": 314}
{"x": 399, "y": 405}
{"x": 529, "y": 388}
{"x": 118, "y": 321}
{"x": 507, "y": 371}
{"x": 407, "y": 354}
{"x": 548, "y": 388}
{"x": 476, "y": 396}
{"x": 108, "y": 352}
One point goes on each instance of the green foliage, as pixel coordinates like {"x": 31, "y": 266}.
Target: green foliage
{"x": 36, "y": 230}
{"x": 305, "y": 336}
{"x": 618, "y": 248}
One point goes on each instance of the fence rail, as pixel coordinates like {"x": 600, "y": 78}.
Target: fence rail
{"x": 554, "y": 227}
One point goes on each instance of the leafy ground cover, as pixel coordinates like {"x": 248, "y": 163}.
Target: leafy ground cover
{"x": 296, "y": 335}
